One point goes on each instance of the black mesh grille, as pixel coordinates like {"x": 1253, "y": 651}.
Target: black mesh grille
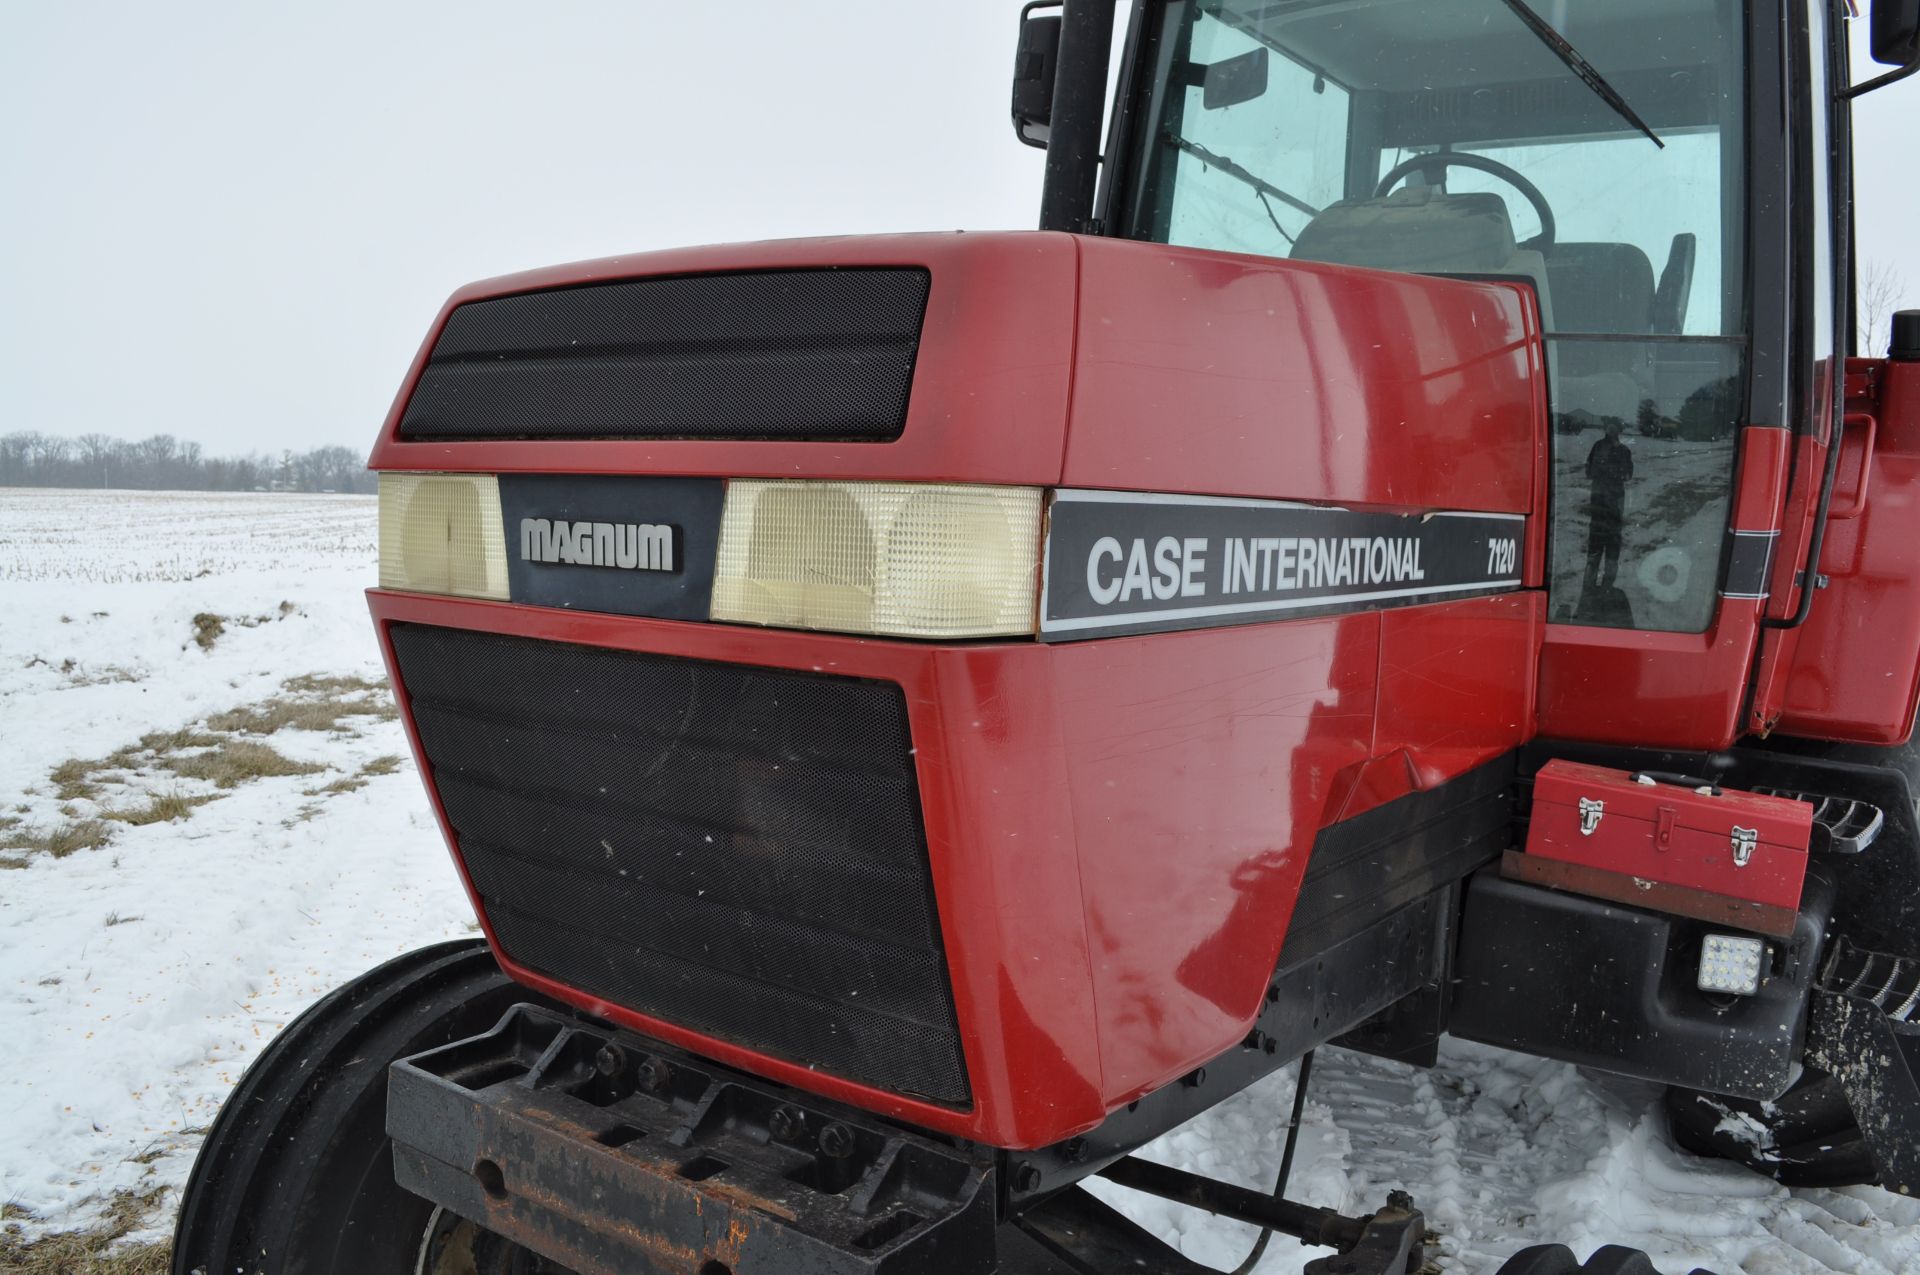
{"x": 733, "y": 849}
{"x": 795, "y": 354}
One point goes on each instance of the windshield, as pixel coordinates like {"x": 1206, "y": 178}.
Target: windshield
{"x": 1450, "y": 137}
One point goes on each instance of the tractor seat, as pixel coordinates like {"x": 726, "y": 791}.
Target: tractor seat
{"x": 1607, "y": 289}
{"x": 1601, "y": 287}
{"x": 1424, "y": 230}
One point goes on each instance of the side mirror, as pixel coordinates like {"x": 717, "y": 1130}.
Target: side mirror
{"x": 1896, "y": 32}
{"x": 1034, "y": 67}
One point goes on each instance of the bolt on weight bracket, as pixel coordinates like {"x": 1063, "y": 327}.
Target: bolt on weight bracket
{"x": 608, "y": 1153}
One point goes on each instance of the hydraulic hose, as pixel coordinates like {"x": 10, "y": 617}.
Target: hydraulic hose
{"x": 1286, "y": 1159}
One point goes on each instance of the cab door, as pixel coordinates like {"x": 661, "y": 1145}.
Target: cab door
{"x": 1855, "y": 669}
{"x": 1850, "y": 669}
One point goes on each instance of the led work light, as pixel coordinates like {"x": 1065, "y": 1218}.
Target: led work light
{"x": 1730, "y": 964}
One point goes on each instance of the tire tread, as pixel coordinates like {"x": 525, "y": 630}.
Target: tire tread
{"x": 289, "y": 1179}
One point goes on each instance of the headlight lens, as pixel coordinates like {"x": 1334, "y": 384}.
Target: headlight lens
{"x": 440, "y": 533}
{"x": 920, "y": 560}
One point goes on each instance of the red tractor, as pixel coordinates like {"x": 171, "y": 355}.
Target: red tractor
{"x": 1403, "y": 550}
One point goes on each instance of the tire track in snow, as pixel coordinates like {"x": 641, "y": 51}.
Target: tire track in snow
{"x": 1503, "y": 1151}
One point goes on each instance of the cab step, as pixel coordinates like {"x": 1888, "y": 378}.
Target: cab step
{"x": 1842, "y": 825}
{"x": 1891, "y": 983}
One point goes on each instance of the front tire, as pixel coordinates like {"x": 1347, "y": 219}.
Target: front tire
{"x": 296, "y": 1174}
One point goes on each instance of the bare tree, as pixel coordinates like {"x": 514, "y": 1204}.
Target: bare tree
{"x": 333, "y": 469}
{"x": 1881, "y": 292}
{"x": 49, "y": 451}
{"x": 30, "y": 458}
{"x": 14, "y": 450}
{"x": 98, "y": 451}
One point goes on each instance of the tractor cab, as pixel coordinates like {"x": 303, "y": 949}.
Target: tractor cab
{"x": 1452, "y": 137}
{"x": 1670, "y": 180}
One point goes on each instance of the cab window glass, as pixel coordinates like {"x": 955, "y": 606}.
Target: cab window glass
{"x": 1444, "y": 137}
{"x": 1294, "y": 136}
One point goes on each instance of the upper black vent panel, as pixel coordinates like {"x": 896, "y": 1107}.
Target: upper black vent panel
{"x": 793, "y": 355}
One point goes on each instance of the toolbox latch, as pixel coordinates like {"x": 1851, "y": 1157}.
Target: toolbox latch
{"x": 1663, "y": 823}
{"x": 1591, "y": 808}
{"x": 1744, "y": 842}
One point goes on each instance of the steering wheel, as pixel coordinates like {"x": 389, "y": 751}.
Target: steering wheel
{"x": 1435, "y": 166}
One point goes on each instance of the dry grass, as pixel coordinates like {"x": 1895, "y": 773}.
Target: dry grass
{"x": 105, "y": 675}
{"x": 75, "y": 779}
{"x": 95, "y": 1251}
{"x": 225, "y": 751}
{"x": 61, "y": 840}
{"x": 312, "y": 703}
{"x": 235, "y": 761}
{"x": 172, "y": 741}
{"x": 207, "y": 628}
{"x": 285, "y": 712}
{"x": 302, "y": 814}
{"x": 161, "y": 807}
{"x": 386, "y": 764}
{"x": 320, "y": 684}
{"x": 77, "y": 676}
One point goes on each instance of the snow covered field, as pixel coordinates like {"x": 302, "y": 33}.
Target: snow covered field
{"x": 207, "y": 825}
{"x": 138, "y": 977}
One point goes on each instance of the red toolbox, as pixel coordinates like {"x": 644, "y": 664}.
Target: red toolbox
{"x": 1668, "y": 843}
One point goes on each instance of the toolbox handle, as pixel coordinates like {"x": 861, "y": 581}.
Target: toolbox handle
{"x": 1677, "y": 779}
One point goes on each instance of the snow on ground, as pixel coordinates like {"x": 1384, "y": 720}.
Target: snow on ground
{"x": 1503, "y": 1151}
{"x": 138, "y": 978}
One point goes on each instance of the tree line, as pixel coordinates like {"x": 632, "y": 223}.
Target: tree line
{"x": 166, "y": 463}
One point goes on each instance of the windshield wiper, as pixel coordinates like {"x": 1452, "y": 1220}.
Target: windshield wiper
{"x": 1260, "y": 185}
{"x": 1582, "y": 68}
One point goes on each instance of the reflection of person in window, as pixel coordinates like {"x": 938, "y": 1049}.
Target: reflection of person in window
{"x": 1609, "y": 469}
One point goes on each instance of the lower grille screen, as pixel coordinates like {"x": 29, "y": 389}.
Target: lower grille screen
{"x": 732, "y": 849}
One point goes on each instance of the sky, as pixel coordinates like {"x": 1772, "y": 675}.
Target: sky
{"x": 233, "y": 222}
